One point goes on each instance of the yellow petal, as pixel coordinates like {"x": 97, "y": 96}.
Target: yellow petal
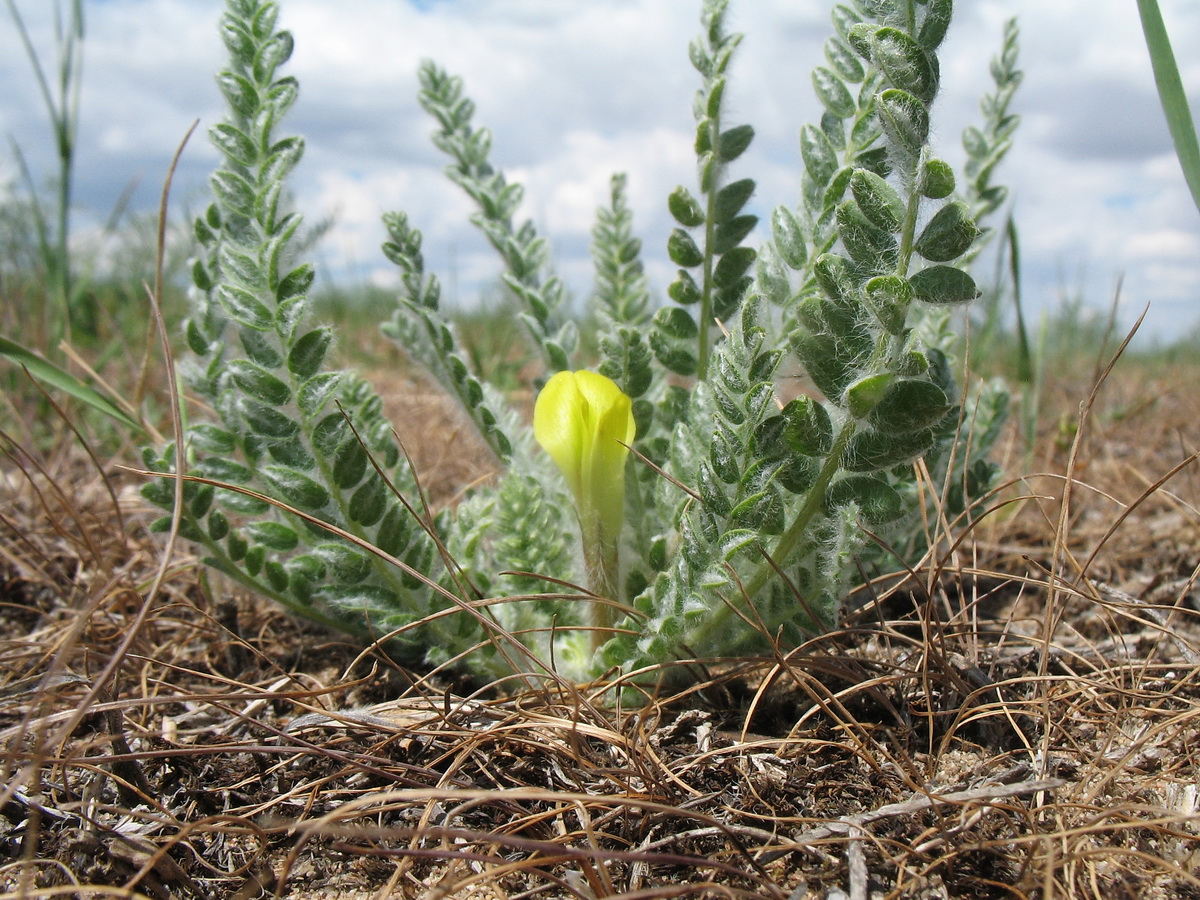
{"x": 582, "y": 419}
{"x": 559, "y": 427}
{"x": 609, "y": 418}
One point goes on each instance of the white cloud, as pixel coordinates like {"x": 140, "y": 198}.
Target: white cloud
{"x": 1178, "y": 246}
{"x": 575, "y": 91}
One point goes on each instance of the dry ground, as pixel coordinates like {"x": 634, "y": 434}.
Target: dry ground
{"x": 1021, "y": 719}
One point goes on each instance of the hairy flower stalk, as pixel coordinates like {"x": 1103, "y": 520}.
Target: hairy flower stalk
{"x": 585, "y": 423}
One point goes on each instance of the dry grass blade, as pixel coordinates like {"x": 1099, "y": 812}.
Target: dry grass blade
{"x": 942, "y": 744}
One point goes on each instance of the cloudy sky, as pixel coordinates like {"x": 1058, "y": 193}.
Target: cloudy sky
{"x": 574, "y": 91}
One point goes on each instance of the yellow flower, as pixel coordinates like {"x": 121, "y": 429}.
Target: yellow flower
{"x": 585, "y": 422}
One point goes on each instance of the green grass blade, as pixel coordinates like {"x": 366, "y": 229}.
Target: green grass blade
{"x": 66, "y": 382}
{"x": 1170, "y": 92}
{"x": 1024, "y": 353}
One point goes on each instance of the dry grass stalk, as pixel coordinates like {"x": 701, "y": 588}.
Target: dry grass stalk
{"x": 947, "y": 743}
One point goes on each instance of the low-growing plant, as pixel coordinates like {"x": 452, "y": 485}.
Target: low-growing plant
{"x": 736, "y": 522}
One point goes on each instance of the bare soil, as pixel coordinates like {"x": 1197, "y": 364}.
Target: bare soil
{"x": 1020, "y": 717}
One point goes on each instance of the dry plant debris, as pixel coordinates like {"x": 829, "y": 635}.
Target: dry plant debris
{"x": 1019, "y": 718}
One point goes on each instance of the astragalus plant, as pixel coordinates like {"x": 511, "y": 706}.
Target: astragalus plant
{"x": 737, "y": 520}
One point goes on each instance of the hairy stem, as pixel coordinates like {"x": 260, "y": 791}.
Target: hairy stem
{"x": 706, "y": 290}
{"x": 602, "y": 559}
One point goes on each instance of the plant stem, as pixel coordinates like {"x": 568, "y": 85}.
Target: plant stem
{"x": 602, "y": 559}
{"x": 706, "y": 289}
{"x": 812, "y": 503}
{"x": 833, "y": 463}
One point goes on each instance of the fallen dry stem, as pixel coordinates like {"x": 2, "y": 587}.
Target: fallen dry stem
{"x": 943, "y": 743}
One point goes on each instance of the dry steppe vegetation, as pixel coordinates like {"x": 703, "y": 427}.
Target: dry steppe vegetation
{"x": 1018, "y": 717}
